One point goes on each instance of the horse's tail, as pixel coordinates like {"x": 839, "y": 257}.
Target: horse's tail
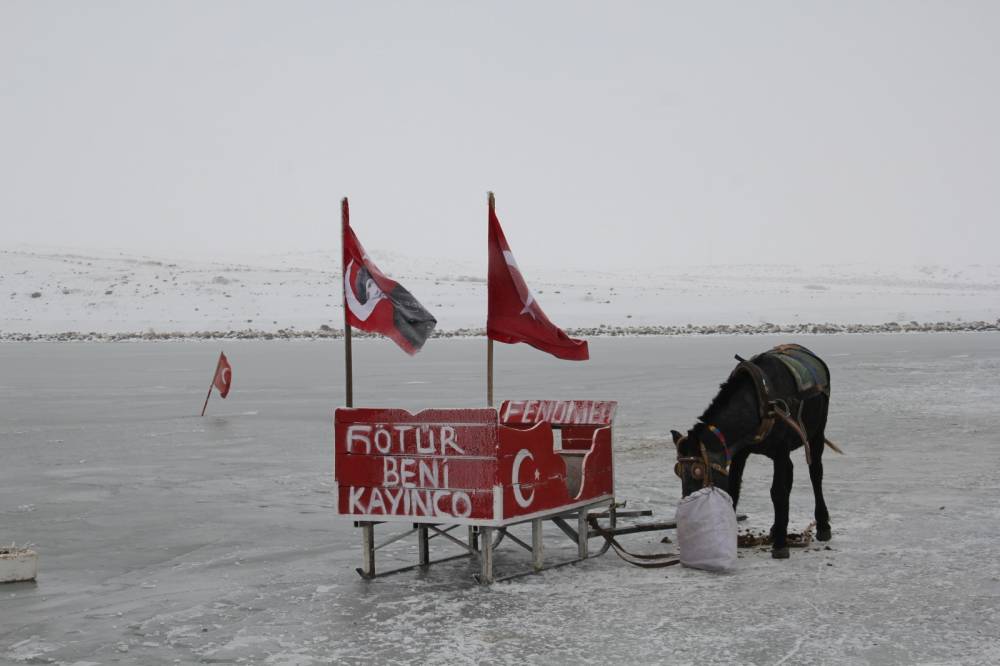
{"x": 833, "y": 446}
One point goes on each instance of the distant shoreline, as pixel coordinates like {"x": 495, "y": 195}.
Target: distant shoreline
{"x": 603, "y": 331}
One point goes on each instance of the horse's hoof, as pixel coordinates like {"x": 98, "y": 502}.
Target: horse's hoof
{"x": 780, "y": 553}
{"x": 823, "y": 533}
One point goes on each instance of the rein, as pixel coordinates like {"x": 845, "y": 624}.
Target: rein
{"x": 654, "y": 561}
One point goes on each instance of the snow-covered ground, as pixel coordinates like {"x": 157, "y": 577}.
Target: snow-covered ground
{"x": 50, "y": 291}
{"x": 167, "y": 538}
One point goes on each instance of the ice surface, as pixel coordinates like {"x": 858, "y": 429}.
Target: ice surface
{"x": 167, "y": 538}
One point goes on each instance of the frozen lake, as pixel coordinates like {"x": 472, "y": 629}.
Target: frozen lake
{"x": 169, "y": 538}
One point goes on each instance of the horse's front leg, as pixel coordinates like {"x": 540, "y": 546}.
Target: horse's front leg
{"x": 736, "y": 476}
{"x": 781, "y": 488}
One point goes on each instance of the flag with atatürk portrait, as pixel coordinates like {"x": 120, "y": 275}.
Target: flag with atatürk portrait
{"x": 513, "y": 313}
{"x": 375, "y": 303}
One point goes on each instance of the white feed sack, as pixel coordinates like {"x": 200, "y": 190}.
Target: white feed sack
{"x": 706, "y": 530}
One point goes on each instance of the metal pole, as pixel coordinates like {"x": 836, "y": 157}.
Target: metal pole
{"x": 423, "y": 545}
{"x": 345, "y": 220}
{"x": 487, "y": 555}
{"x": 582, "y": 533}
{"x": 349, "y": 379}
{"x": 368, "y": 549}
{"x": 537, "y": 547}
{"x": 490, "y": 203}
{"x": 489, "y": 373}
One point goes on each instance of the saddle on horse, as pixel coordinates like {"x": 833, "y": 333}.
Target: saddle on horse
{"x": 812, "y": 377}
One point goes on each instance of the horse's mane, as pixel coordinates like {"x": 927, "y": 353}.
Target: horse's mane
{"x": 726, "y": 389}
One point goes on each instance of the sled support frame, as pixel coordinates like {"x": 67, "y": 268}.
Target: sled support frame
{"x": 482, "y": 541}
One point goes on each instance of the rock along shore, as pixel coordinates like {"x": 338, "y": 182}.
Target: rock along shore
{"x": 586, "y": 332}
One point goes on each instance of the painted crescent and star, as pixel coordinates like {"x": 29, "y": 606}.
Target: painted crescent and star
{"x": 523, "y": 502}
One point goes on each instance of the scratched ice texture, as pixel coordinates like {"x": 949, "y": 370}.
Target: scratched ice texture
{"x": 167, "y": 538}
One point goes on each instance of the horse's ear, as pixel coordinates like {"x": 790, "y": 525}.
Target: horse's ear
{"x": 676, "y": 435}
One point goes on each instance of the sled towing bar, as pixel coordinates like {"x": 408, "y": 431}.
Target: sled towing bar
{"x": 648, "y": 527}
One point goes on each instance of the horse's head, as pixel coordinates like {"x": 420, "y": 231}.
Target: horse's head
{"x": 702, "y": 458}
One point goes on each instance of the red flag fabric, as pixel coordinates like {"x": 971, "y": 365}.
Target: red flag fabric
{"x": 378, "y": 304}
{"x": 513, "y": 313}
{"x": 223, "y": 375}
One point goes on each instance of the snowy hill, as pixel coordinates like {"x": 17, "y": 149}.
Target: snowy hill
{"x": 48, "y": 291}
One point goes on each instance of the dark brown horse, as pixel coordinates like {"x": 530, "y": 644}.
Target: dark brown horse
{"x": 772, "y": 404}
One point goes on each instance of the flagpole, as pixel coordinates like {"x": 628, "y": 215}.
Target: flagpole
{"x": 210, "y": 385}
{"x": 491, "y": 203}
{"x": 348, "y": 359}
{"x": 203, "y": 407}
{"x": 489, "y": 372}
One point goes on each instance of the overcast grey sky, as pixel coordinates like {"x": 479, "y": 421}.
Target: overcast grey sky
{"x": 612, "y": 133}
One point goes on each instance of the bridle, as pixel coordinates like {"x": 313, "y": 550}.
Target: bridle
{"x": 698, "y": 466}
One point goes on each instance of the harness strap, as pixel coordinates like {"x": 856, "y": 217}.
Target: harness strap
{"x": 765, "y": 405}
{"x": 797, "y": 428}
{"x": 764, "y": 429}
{"x": 759, "y": 383}
{"x": 770, "y": 409}
{"x": 654, "y": 561}
{"x": 707, "y": 481}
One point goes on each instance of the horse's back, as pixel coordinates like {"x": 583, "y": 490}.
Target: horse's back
{"x": 806, "y": 379}
{"x": 809, "y": 371}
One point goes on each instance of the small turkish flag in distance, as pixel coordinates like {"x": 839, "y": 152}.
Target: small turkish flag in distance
{"x": 223, "y": 375}
{"x": 513, "y": 314}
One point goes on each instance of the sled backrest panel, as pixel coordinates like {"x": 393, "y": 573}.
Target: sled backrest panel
{"x": 462, "y": 466}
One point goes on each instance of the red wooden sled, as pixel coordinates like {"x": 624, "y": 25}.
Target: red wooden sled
{"x": 487, "y": 469}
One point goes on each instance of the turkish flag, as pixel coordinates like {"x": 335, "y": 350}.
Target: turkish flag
{"x": 513, "y": 313}
{"x": 375, "y": 303}
{"x": 223, "y": 375}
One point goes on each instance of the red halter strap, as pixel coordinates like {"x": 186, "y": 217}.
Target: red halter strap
{"x": 719, "y": 436}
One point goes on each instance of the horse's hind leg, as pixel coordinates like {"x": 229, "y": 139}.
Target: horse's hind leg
{"x": 817, "y": 444}
{"x": 781, "y": 488}
{"x": 823, "y": 532}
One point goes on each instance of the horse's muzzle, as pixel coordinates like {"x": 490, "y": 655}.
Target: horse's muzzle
{"x": 696, "y": 468}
